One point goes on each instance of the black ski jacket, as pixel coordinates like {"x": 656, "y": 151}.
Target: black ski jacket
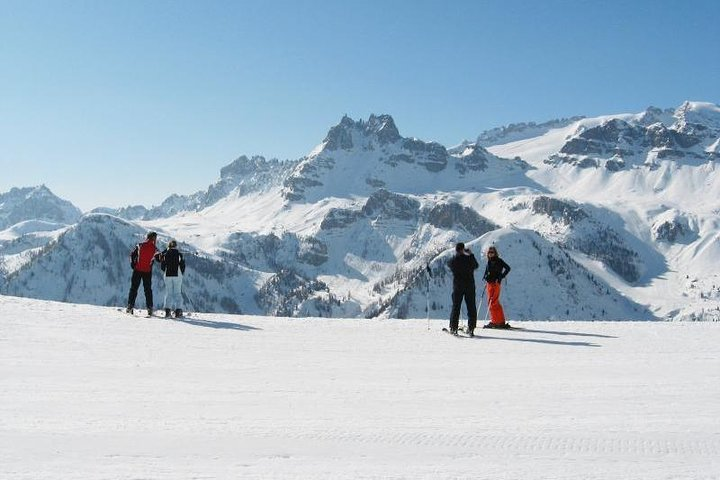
{"x": 495, "y": 270}
{"x": 171, "y": 261}
{"x": 463, "y": 268}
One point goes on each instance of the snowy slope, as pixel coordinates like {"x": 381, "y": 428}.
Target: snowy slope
{"x": 89, "y": 392}
{"x": 521, "y": 131}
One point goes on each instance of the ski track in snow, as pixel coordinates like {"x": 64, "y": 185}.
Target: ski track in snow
{"x": 90, "y": 392}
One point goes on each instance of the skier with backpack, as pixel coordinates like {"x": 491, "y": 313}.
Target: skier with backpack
{"x": 495, "y": 271}
{"x": 463, "y": 266}
{"x": 173, "y": 264}
{"x": 141, "y": 261}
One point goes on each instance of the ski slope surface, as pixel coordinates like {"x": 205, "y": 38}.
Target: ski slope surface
{"x": 92, "y": 393}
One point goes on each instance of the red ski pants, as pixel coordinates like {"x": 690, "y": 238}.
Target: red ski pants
{"x": 497, "y": 316}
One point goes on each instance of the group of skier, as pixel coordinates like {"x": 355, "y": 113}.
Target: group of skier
{"x": 463, "y": 265}
{"x": 172, "y": 263}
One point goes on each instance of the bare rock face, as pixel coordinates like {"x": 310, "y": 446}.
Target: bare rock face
{"x": 383, "y": 126}
{"x": 339, "y": 218}
{"x": 565, "y": 211}
{"x": 669, "y": 231}
{"x": 473, "y": 159}
{"x": 433, "y": 156}
{"x": 391, "y": 206}
{"x": 456, "y": 216}
{"x": 312, "y": 252}
{"x": 340, "y": 136}
{"x": 586, "y": 234}
{"x": 673, "y": 227}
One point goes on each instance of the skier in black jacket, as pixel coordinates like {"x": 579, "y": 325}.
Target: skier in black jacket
{"x": 463, "y": 266}
{"x": 173, "y": 264}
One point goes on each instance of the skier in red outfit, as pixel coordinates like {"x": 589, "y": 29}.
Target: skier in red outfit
{"x": 141, "y": 261}
{"x": 495, "y": 271}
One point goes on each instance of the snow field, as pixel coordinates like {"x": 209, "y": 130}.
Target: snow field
{"x": 90, "y": 392}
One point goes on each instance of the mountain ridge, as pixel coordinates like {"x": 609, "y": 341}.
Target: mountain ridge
{"x": 347, "y": 229}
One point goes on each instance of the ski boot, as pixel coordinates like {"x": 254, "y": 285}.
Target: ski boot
{"x": 499, "y": 326}
{"x": 178, "y": 313}
{"x": 129, "y": 310}
{"x": 167, "y": 313}
{"x": 150, "y": 311}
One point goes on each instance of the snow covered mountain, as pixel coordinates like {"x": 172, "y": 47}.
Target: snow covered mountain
{"x": 357, "y": 158}
{"x": 688, "y": 134}
{"x": 244, "y": 175}
{"x": 35, "y": 204}
{"x": 89, "y": 263}
{"x": 652, "y": 175}
{"x": 30, "y": 218}
{"x": 613, "y": 217}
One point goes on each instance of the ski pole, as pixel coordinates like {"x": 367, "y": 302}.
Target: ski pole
{"x": 187, "y": 299}
{"x": 487, "y": 312}
{"x": 427, "y": 294}
{"x": 482, "y": 299}
{"x": 427, "y": 308}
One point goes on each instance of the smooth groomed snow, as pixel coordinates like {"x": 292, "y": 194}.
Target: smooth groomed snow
{"x": 91, "y": 393}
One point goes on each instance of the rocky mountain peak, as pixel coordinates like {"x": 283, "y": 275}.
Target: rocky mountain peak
{"x": 380, "y": 127}
{"x": 26, "y": 193}
{"x": 384, "y": 127}
{"x": 653, "y": 115}
{"x": 703, "y": 116}
{"x": 243, "y": 166}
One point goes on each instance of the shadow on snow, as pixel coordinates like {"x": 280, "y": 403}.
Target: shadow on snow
{"x": 555, "y": 332}
{"x": 212, "y": 324}
{"x": 537, "y": 340}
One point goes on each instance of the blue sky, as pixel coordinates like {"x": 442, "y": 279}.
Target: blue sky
{"x": 124, "y": 102}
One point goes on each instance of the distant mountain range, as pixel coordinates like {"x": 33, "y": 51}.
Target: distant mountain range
{"x": 614, "y": 217}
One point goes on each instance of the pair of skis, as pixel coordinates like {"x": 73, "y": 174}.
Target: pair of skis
{"x": 461, "y": 332}
{"x": 155, "y": 314}
{"x": 133, "y": 314}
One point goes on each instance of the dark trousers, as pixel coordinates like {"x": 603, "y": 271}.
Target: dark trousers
{"x": 146, "y": 278}
{"x": 460, "y": 293}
